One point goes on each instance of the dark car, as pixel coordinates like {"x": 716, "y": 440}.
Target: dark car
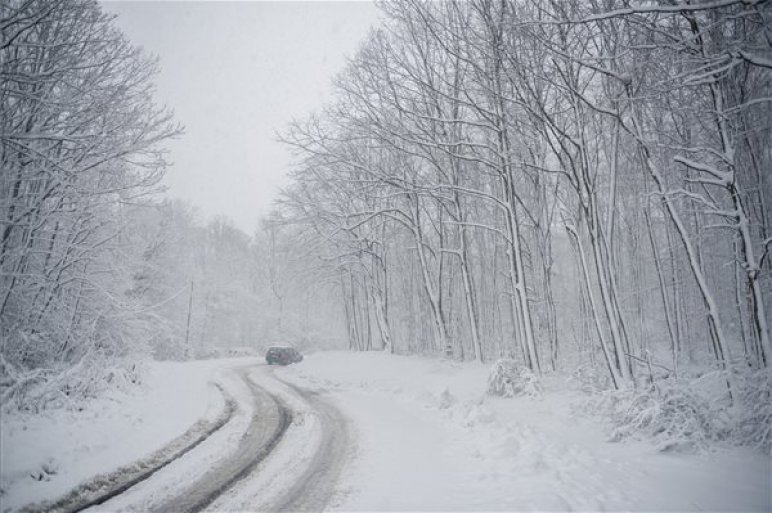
{"x": 282, "y": 356}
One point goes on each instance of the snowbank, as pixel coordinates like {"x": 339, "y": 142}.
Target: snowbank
{"x": 431, "y": 439}
{"x": 45, "y": 456}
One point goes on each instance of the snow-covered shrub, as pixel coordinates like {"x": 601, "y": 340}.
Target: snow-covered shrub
{"x": 591, "y": 379}
{"x": 675, "y": 418}
{"x": 65, "y": 386}
{"x": 694, "y": 412}
{"x": 754, "y": 423}
{"x": 509, "y": 379}
{"x": 446, "y": 400}
{"x": 501, "y": 380}
{"x": 677, "y": 415}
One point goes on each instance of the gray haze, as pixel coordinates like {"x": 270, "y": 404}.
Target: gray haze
{"x": 234, "y": 73}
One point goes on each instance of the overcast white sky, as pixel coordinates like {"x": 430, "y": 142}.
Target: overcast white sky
{"x": 234, "y": 73}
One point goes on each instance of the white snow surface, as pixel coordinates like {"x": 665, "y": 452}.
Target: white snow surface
{"x": 429, "y": 439}
{"x": 175, "y": 478}
{"x": 112, "y": 431}
{"x": 276, "y": 474}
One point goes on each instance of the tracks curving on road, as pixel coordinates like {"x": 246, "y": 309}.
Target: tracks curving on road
{"x": 271, "y": 418}
{"x": 269, "y": 422}
{"x": 104, "y": 487}
{"x": 315, "y": 487}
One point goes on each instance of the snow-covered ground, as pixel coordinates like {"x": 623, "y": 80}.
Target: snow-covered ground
{"x": 64, "y": 448}
{"x": 426, "y": 437}
{"x": 430, "y": 439}
{"x": 262, "y": 489}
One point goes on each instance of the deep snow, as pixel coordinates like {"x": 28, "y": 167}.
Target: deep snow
{"x": 426, "y": 436}
{"x": 430, "y": 439}
{"x": 115, "y": 430}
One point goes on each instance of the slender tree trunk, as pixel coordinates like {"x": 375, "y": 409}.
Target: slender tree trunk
{"x": 615, "y": 378}
{"x": 671, "y": 329}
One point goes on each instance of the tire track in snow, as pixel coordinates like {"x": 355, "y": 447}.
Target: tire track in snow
{"x": 303, "y": 471}
{"x": 269, "y": 422}
{"x": 314, "y": 488}
{"x": 104, "y": 487}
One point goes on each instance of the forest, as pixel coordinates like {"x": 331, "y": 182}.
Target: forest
{"x": 577, "y": 186}
{"x": 97, "y": 271}
{"x": 581, "y": 188}
{"x": 550, "y": 180}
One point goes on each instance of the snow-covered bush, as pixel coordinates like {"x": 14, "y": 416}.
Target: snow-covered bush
{"x": 674, "y": 417}
{"x": 446, "y": 400}
{"x": 591, "y": 379}
{"x": 509, "y": 379}
{"x": 65, "y": 386}
{"x": 754, "y": 423}
{"x": 694, "y": 412}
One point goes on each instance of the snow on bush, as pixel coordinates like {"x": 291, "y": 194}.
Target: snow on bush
{"x": 675, "y": 418}
{"x": 754, "y": 423}
{"x": 509, "y": 379}
{"x": 446, "y": 400}
{"x": 691, "y": 414}
{"x": 590, "y": 379}
{"x": 64, "y": 386}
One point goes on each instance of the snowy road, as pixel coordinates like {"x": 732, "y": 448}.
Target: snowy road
{"x": 377, "y": 432}
{"x": 306, "y": 488}
{"x": 302, "y": 472}
{"x": 287, "y": 457}
{"x": 270, "y": 420}
{"x": 314, "y": 488}
{"x": 279, "y": 447}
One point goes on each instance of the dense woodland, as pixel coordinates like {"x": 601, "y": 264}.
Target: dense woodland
{"x": 582, "y": 187}
{"x": 551, "y": 180}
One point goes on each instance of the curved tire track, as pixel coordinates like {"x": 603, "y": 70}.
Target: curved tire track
{"x": 269, "y": 422}
{"x": 104, "y": 487}
{"x": 314, "y": 488}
